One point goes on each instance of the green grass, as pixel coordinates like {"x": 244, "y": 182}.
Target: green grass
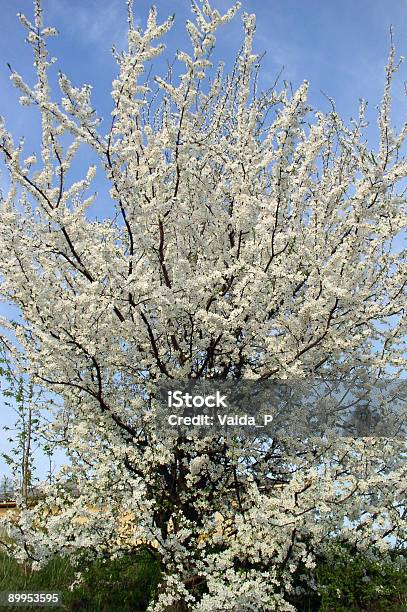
{"x": 348, "y": 582}
{"x": 125, "y": 584}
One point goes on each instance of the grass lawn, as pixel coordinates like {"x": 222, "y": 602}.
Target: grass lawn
{"x": 124, "y": 584}
{"x": 348, "y": 582}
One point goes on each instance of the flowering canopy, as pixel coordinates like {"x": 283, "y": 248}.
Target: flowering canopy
{"x": 254, "y": 238}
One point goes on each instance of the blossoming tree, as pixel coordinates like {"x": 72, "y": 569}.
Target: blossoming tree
{"x": 254, "y": 238}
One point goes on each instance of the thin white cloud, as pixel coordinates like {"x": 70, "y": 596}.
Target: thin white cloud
{"x": 93, "y": 21}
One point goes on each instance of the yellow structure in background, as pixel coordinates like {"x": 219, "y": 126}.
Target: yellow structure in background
{"x": 126, "y": 522}
{"x": 6, "y": 507}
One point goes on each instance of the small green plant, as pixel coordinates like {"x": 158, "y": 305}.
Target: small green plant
{"x": 25, "y": 436}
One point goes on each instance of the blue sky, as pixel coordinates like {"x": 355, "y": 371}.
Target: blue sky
{"x": 339, "y": 46}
